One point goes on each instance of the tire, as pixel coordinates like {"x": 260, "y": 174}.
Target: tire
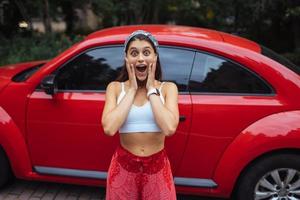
{"x": 6, "y": 175}
{"x": 259, "y": 180}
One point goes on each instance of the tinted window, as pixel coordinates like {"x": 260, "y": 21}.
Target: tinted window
{"x": 217, "y": 75}
{"x": 176, "y": 65}
{"x": 94, "y": 69}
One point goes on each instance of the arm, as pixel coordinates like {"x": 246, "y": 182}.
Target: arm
{"x": 166, "y": 115}
{"x": 114, "y": 115}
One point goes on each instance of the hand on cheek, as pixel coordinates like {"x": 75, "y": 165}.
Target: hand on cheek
{"x": 154, "y": 66}
{"x": 131, "y": 75}
{"x": 151, "y": 75}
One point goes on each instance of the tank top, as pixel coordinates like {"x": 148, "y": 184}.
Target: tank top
{"x": 139, "y": 118}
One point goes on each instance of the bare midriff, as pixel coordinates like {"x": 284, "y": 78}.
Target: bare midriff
{"x": 143, "y": 144}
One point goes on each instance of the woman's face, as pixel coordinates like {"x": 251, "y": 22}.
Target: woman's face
{"x": 141, "y": 54}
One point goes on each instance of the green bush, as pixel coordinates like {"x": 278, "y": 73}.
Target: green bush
{"x": 35, "y": 47}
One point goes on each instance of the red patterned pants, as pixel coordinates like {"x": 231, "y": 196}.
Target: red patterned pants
{"x": 132, "y": 177}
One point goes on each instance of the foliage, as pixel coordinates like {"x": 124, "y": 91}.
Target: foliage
{"x": 36, "y": 47}
{"x": 272, "y": 23}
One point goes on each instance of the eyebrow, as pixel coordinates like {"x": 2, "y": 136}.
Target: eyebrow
{"x": 134, "y": 48}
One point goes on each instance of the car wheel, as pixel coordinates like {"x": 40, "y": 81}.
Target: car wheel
{"x": 275, "y": 177}
{"x": 5, "y": 171}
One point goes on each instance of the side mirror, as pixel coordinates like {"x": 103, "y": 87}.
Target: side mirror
{"x": 48, "y": 84}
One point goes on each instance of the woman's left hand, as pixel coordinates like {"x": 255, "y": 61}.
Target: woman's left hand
{"x": 151, "y": 75}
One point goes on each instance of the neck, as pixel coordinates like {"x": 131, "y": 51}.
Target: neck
{"x": 141, "y": 84}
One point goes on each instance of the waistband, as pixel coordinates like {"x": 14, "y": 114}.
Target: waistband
{"x": 147, "y": 164}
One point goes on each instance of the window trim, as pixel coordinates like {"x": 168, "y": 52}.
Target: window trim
{"x": 38, "y": 88}
{"x": 187, "y": 91}
{"x": 273, "y": 91}
{"x": 86, "y": 50}
{"x": 195, "y": 51}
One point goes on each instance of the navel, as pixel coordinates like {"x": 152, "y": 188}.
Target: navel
{"x": 142, "y": 150}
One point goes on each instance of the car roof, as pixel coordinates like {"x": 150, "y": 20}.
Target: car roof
{"x": 177, "y": 32}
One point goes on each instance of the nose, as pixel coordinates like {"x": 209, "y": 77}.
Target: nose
{"x": 140, "y": 57}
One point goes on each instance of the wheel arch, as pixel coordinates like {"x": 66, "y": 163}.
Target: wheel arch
{"x": 277, "y": 133}
{"x": 277, "y": 152}
{"x": 14, "y": 146}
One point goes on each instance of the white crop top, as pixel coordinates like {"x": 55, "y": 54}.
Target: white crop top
{"x": 140, "y": 118}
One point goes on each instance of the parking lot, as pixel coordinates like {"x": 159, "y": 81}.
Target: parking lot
{"x": 34, "y": 190}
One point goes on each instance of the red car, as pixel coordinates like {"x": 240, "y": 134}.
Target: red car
{"x": 239, "y": 102}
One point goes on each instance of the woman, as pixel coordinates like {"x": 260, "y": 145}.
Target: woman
{"x": 145, "y": 111}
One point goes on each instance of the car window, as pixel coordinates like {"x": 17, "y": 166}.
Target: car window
{"x": 94, "y": 69}
{"x": 27, "y": 73}
{"x": 176, "y": 65}
{"x": 212, "y": 74}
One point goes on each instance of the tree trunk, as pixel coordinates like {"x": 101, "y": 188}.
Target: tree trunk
{"x": 68, "y": 10}
{"x": 46, "y": 17}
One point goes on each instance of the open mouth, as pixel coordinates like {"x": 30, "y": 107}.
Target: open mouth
{"x": 141, "y": 68}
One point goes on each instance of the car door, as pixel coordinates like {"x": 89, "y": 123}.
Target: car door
{"x": 64, "y": 130}
{"x": 226, "y": 98}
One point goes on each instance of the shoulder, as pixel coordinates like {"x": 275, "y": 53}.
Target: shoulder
{"x": 169, "y": 86}
{"x": 113, "y": 84}
{"x": 169, "y": 89}
{"x": 114, "y": 87}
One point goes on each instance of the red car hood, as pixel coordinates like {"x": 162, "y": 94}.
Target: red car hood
{"x": 8, "y": 71}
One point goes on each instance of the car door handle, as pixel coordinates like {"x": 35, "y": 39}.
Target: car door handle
{"x": 182, "y": 118}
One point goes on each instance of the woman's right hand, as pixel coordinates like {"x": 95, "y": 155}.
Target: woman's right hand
{"x": 131, "y": 75}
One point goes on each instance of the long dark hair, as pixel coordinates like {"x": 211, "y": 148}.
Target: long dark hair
{"x": 123, "y": 76}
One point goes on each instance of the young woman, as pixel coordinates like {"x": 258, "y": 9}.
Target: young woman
{"x": 145, "y": 111}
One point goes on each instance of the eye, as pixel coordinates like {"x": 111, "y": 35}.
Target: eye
{"x": 134, "y": 53}
{"x": 147, "y": 52}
